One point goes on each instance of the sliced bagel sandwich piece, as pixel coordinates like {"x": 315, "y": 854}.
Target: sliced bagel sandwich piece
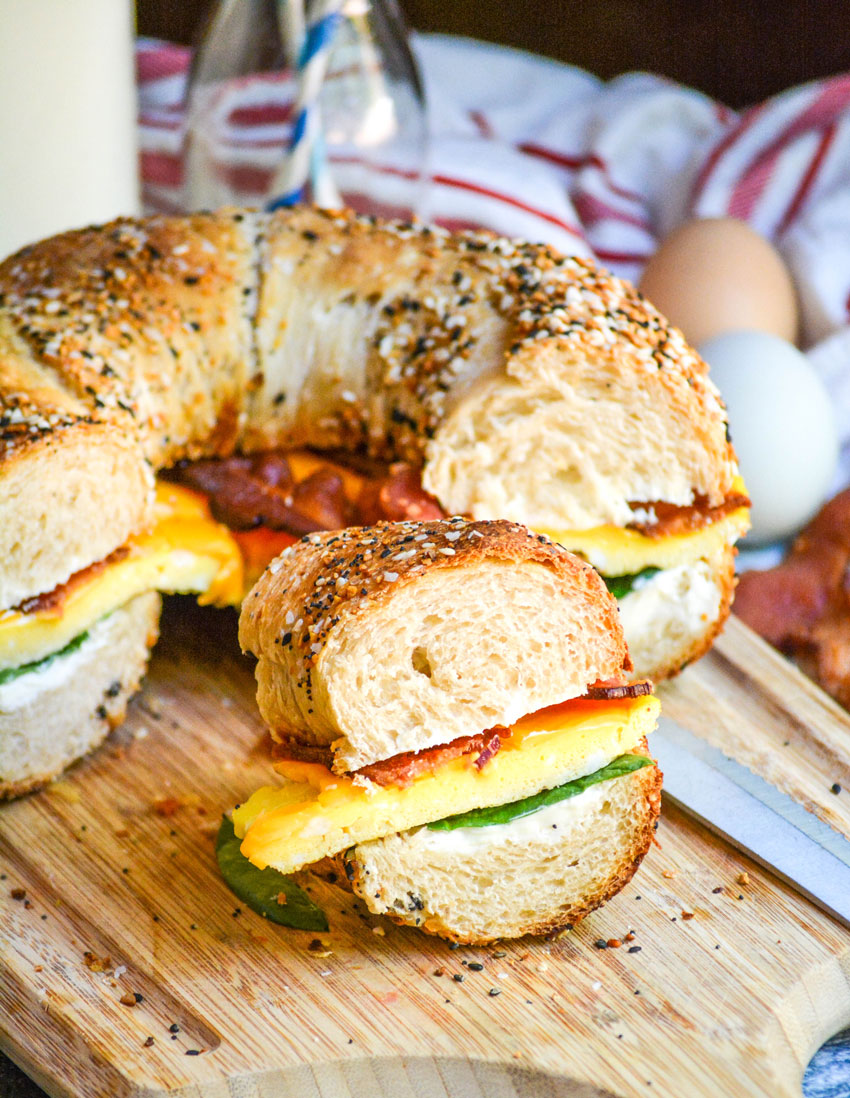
{"x": 441, "y": 688}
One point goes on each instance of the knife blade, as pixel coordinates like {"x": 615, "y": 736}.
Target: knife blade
{"x": 755, "y": 817}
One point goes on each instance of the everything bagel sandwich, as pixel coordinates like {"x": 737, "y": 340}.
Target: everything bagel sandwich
{"x": 453, "y": 720}
{"x": 306, "y": 369}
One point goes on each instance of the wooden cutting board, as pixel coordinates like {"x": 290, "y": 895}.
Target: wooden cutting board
{"x": 729, "y": 984}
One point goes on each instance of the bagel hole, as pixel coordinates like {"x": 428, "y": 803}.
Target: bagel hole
{"x": 421, "y": 663}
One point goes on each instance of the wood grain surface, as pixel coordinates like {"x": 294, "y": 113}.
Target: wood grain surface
{"x": 109, "y": 892}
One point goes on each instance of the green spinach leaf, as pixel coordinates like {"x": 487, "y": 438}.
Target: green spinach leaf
{"x": 620, "y": 586}
{"x": 262, "y": 889}
{"x": 11, "y": 673}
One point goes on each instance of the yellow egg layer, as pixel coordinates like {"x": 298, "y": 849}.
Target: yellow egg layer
{"x": 184, "y": 551}
{"x": 318, "y": 813}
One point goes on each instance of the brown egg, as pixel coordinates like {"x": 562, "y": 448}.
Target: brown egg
{"x": 718, "y": 275}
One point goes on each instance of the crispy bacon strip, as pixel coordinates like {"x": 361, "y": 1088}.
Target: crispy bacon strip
{"x": 396, "y": 497}
{"x": 493, "y": 745}
{"x": 802, "y": 606}
{"x": 611, "y": 690}
{"x": 249, "y": 492}
{"x": 55, "y": 599}
{"x": 287, "y": 747}
{"x": 401, "y": 770}
{"x": 672, "y": 519}
{"x": 246, "y": 492}
{"x": 259, "y": 490}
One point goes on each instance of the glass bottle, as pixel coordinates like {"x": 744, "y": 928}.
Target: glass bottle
{"x": 370, "y": 113}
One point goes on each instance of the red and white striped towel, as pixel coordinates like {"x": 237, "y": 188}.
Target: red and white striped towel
{"x": 534, "y": 148}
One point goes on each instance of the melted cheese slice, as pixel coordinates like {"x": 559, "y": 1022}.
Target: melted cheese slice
{"x": 318, "y": 813}
{"x": 184, "y": 551}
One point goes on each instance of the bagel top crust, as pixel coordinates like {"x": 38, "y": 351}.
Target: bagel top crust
{"x": 525, "y": 385}
{"x": 365, "y": 641}
{"x": 529, "y": 385}
{"x": 147, "y": 323}
{"x": 328, "y": 571}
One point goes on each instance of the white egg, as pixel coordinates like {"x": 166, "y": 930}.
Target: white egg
{"x": 782, "y": 425}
